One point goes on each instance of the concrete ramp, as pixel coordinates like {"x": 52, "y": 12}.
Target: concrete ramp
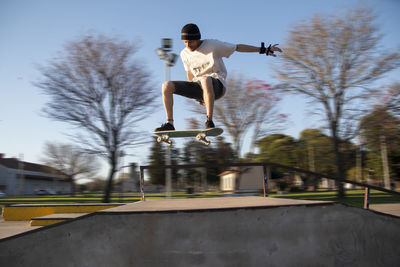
{"x": 231, "y": 231}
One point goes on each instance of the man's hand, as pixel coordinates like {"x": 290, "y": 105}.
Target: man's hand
{"x": 271, "y": 49}
{"x": 261, "y": 50}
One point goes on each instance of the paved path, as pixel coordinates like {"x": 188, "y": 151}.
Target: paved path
{"x": 10, "y": 228}
{"x": 209, "y": 203}
{"x": 392, "y": 209}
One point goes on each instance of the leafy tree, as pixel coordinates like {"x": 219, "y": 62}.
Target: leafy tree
{"x": 70, "y": 160}
{"x": 189, "y": 156}
{"x": 157, "y": 157}
{"x": 316, "y": 152}
{"x": 278, "y": 148}
{"x": 98, "y": 86}
{"x": 281, "y": 149}
{"x": 333, "y": 60}
{"x": 352, "y": 174}
{"x": 224, "y": 151}
{"x": 192, "y": 154}
{"x": 380, "y": 131}
{"x": 313, "y": 151}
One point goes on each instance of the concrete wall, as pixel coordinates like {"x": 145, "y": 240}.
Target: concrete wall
{"x": 320, "y": 235}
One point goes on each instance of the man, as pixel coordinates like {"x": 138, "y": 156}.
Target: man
{"x": 205, "y": 71}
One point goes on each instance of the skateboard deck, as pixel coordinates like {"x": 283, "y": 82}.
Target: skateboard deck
{"x": 200, "y": 134}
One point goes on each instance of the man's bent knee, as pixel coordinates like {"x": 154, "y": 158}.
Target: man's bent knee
{"x": 207, "y": 84}
{"x": 207, "y": 79}
{"x": 168, "y": 87}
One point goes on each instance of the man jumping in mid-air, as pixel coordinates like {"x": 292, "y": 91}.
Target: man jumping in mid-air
{"x": 205, "y": 71}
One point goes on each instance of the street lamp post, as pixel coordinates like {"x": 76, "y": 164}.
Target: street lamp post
{"x": 164, "y": 52}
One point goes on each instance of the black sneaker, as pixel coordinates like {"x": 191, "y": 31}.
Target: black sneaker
{"x": 165, "y": 127}
{"x": 209, "y": 124}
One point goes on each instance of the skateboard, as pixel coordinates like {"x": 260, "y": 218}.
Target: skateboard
{"x": 200, "y": 134}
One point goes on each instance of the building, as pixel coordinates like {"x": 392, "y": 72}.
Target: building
{"x": 128, "y": 182}
{"x": 24, "y": 178}
{"x": 248, "y": 179}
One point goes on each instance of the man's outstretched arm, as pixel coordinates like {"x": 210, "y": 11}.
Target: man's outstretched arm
{"x": 250, "y": 48}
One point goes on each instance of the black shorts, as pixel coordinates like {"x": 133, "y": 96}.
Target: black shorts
{"x": 194, "y": 90}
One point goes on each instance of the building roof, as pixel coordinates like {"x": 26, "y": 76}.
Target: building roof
{"x": 14, "y": 163}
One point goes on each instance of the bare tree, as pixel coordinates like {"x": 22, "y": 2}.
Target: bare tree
{"x": 71, "y": 161}
{"x": 333, "y": 60}
{"x": 99, "y": 87}
{"x": 248, "y": 105}
{"x": 263, "y": 104}
{"x": 392, "y": 98}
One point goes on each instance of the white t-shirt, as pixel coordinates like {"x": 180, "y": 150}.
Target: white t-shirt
{"x": 206, "y": 60}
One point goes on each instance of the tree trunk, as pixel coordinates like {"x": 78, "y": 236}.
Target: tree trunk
{"x": 72, "y": 186}
{"x": 385, "y": 163}
{"x": 237, "y": 145}
{"x": 109, "y": 187}
{"x": 338, "y": 158}
{"x": 359, "y": 171}
{"x": 339, "y": 166}
{"x": 311, "y": 166}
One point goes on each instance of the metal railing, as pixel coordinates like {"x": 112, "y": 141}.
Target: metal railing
{"x": 266, "y": 176}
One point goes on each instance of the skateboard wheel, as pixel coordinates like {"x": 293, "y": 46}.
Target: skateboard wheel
{"x": 159, "y": 139}
{"x": 169, "y": 143}
{"x": 198, "y": 137}
{"x": 207, "y": 143}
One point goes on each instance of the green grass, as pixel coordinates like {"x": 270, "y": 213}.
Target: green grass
{"x": 353, "y": 197}
{"x": 77, "y": 198}
{"x": 95, "y": 198}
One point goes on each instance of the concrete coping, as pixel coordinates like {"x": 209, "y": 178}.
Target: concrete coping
{"x": 66, "y": 204}
{"x": 60, "y": 216}
{"x": 206, "y": 204}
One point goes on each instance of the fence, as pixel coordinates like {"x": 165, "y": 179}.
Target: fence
{"x": 266, "y": 176}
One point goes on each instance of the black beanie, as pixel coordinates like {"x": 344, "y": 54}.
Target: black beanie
{"x": 190, "y": 32}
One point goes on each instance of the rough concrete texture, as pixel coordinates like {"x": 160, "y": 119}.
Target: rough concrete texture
{"x": 299, "y": 235}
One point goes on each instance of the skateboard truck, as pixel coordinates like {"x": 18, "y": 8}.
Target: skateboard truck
{"x": 203, "y": 137}
{"x": 164, "y": 138}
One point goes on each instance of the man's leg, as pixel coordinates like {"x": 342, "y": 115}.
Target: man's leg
{"x": 208, "y": 96}
{"x": 168, "y": 89}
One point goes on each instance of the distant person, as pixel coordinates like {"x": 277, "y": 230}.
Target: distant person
{"x": 205, "y": 71}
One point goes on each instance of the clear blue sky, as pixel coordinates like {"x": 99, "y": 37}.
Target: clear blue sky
{"x": 33, "y": 31}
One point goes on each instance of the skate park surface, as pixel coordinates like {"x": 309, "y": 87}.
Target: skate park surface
{"x": 225, "y": 231}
